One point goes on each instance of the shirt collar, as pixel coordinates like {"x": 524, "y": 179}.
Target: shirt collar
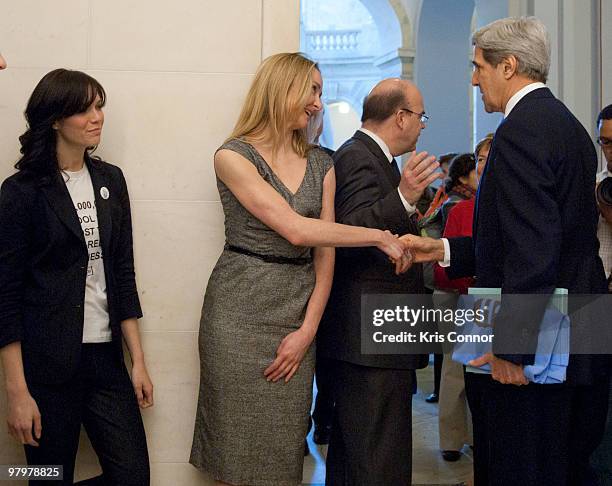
{"x": 520, "y": 94}
{"x": 380, "y": 142}
{"x": 603, "y": 174}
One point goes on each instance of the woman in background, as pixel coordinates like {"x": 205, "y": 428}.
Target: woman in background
{"x": 460, "y": 183}
{"x": 455, "y": 424}
{"x": 266, "y": 295}
{"x": 68, "y": 292}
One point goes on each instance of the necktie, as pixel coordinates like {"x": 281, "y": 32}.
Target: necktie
{"x": 395, "y": 167}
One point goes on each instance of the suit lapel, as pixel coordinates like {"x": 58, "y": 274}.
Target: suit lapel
{"x": 101, "y": 188}
{"x": 59, "y": 199}
{"x": 391, "y": 172}
{"x": 537, "y": 93}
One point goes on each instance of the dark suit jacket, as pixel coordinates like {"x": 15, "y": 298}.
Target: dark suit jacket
{"x": 535, "y": 223}
{"x": 366, "y": 195}
{"x": 43, "y": 267}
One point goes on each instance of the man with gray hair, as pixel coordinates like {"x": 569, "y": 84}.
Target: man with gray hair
{"x": 535, "y": 229}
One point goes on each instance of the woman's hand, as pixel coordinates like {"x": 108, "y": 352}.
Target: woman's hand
{"x": 289, "y": 355}
{"x": 143, "y": 386}
{"x": 403, "y": 264}
{"x": 398, "y": 254}
{"x": 390, "y": 244}
{"x": 23, "y": 416}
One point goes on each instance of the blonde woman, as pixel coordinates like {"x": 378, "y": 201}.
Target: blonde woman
{"x": 267, "y": 293}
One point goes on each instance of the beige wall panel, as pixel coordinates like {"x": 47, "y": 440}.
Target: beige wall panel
{"x": 174, "y": 366}
{"x": 39, "y": 33}
{"x": 281, "y": 26}
{"x": 176, "y": 247}
{"x": 183, "y": 35}
{"x": 87, "y": 465}
{"x": 163, "y": 130}
{"x": 178, "y": 474}
{"x": 16, "y": 85}
{"x": 176, "y": 75}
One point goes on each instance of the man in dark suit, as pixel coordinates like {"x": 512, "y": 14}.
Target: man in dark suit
{"x": 535, "y": 227}
{"x": 371, "y": 431}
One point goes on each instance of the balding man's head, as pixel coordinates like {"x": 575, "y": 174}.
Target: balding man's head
{"x": 386, "y": 98}
{"x": 394, "y": 111}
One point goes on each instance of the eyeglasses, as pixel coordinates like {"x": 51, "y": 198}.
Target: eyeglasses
{"x": 604, "y": 142}
{"x": 423, "y": 118}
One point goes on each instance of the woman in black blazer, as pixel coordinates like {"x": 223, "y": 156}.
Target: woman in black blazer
{"x": 68, "y": 293}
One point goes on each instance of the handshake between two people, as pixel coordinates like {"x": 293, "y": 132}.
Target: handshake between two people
{"x": 418, "y": 173}
{"x": 409, "y": 249}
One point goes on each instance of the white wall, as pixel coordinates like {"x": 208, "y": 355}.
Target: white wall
{"x": 485, "y": 11}
{"x": 579, "y": 72}
{"x": 606, "y": 52}
{"x": 175, "y": 74}
{"x": 443, "y": 74}
{"x": 605, "y": 56}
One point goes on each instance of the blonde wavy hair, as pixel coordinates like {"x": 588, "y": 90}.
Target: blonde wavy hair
{"x": 279, "y": 92}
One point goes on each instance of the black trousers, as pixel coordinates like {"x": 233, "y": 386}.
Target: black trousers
{"x": 101, "y": 398}
{"x": 438, "y": 360}
{"x": 324, "y": 403}
{"x": 534, "y": 435}
{"x": 371, "y": 439}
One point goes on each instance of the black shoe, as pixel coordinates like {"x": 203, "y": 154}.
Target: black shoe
{"x": 306, "y": 449}
{"x": 433, "y": 398}
{"x": 451, "y": 456}
{"x": 321, "y": 435}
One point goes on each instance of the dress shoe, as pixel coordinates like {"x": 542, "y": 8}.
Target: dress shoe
{"x": 433, "y": 398}
{"x": 321, "y": 435}
{"x": 451, "y": 456}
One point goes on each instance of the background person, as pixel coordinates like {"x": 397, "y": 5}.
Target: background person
{"x": 601, "y": 460}
{"x": 68, "y": 293}
{"x": 324, "y": 403}
{"x": 454, "y": 420}
{"x": 604, "y": 227}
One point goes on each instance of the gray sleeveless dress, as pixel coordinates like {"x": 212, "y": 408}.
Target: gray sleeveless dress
{"x": 250, "y": 431}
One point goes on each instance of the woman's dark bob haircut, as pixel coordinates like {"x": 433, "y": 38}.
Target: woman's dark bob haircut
{"x": 460, "y": 166}
{"x": 59, "y": 94}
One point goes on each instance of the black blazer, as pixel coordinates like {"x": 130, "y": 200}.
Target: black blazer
{"x": 366, "y": 195}
{"x": 535, "y": 222}
{"x": 43, "y": 266}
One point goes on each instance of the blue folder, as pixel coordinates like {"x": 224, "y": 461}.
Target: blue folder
{"x": 552, "y": 352}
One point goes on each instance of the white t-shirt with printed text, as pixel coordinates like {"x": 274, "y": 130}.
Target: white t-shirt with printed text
{"x": 96, "y": 327}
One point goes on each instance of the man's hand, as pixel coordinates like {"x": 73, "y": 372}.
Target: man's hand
{"x": 419, "y": 172}
{"x": 423, "y": 249}
{"x": 501, "y": 370}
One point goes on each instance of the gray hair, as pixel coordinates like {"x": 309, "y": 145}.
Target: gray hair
{"x": 525, "y": 38}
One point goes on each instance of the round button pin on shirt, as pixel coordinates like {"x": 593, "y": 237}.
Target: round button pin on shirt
{"x": 104, "y": 192}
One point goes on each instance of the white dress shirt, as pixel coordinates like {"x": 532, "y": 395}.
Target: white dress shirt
{"x": 410, "y": 209}
{"x": 512, "y": 102}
